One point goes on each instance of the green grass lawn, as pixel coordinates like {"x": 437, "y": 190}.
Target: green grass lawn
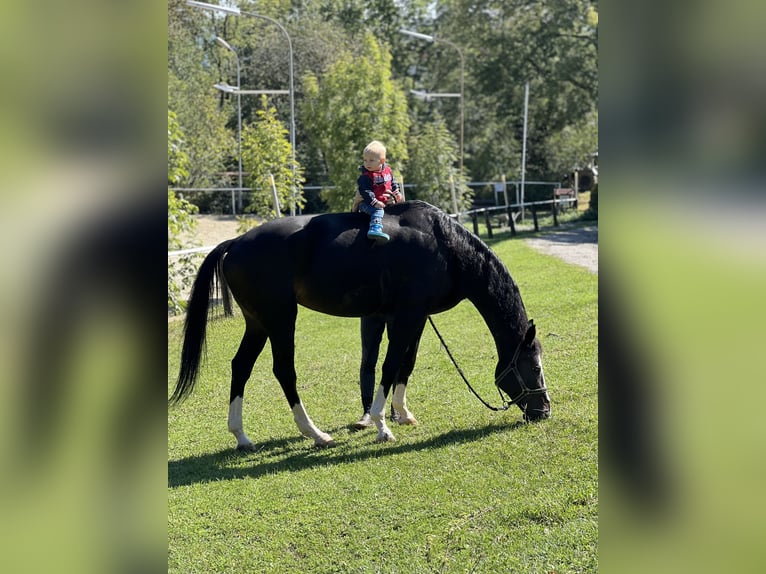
{"x": 467, "y": 490}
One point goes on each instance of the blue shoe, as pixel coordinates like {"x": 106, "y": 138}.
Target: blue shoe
{"x": 376, "y": 233}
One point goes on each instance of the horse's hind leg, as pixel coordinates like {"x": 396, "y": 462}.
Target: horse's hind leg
{"x": 283, "y": 351}
{"x": 241, "y": 368}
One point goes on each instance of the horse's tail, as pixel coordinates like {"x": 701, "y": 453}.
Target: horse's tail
{"x": 209, "y": 281}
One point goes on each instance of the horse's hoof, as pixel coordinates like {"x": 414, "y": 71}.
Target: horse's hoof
{"x": 407, "y": 421}
{"x": 324, "y": 442}
{"x": 386, "y": 437}
{"x": 246, "y": 447}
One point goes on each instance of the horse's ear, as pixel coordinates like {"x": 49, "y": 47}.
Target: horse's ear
{"x": 529, "y": 338}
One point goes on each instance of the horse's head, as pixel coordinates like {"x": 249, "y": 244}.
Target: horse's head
{"x": 523, "y": 380}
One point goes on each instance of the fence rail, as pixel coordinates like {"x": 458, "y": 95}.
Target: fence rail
{"x": 553, "y": 204}
{"x": 473, "y": 214}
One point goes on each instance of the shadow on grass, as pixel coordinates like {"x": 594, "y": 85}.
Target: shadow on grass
{"x": 218, "y": 466}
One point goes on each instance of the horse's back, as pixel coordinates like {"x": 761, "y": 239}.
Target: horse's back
{"x": 327, "y": 263}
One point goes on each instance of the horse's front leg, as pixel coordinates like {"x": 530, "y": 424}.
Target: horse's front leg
{"x": 403, "y": 333}
{"x": 399, "y": 401}
{"x": 378, "y": 414}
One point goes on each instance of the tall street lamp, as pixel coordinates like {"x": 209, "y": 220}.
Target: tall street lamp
{"x": 430, "y": 96}
{"x": 227, "y": 89}
{"x": 215, "y": 7}
{"x": 226, "y": 45}
{"x": 236, "y": 11}
{"x": 224, "y": 87}
{"x": 435, "y": 40}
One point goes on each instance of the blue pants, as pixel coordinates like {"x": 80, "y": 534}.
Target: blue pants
{"x": 375, "y": 213}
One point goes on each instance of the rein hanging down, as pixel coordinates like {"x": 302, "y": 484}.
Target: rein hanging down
{"x": 506, "y": 404}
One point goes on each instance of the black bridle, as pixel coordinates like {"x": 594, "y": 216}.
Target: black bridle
{"x": 511, "y": 368}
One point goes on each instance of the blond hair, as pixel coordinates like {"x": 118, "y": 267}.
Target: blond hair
{"x": 376, "y": 148}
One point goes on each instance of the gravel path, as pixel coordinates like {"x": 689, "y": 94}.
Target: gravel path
{"x": 212, "y": 229}
{"x": 576, "y": 245}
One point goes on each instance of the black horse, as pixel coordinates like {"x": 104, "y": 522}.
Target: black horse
{"x": 326, "y": 263}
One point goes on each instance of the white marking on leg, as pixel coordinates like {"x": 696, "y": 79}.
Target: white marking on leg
{"x": 400, "y": 404}
{"x": 377, "y": 411}
{"x": 235, "y": 424}
{"x": 378, "y": 414}
{"x": 307, "y": 428}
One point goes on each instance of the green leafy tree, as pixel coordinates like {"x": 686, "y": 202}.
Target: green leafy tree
{"x": 181, "y": 268}
{"x": 178, "y": 160}
{"x": 181, "y": 221}
{"x": 266, "y": 153}
{"x": 573, "y": 146}
{"x": 341, "y": 81}
{"x": 432, "y": 169}
{"x": 552, "y": 45}
{"x": 356, "y": 102}
{"x": 202, "y": 112}
{"x": 210, "y": 145}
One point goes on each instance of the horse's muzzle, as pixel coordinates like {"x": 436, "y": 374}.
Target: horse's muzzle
{"x": 535, "y": 410}
{"x": 532, "y": 415}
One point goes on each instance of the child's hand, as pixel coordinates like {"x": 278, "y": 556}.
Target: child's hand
{"x": 392, "y": 198}
{"x": 378, "y": 204}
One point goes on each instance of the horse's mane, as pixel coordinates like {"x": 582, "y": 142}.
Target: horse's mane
{"x": 480, "y": 267}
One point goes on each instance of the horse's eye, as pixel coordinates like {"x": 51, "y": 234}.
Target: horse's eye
{"x": 537, "y": 368}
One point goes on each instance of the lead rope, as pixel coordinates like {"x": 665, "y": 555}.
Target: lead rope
{"x": 454, "y": 362}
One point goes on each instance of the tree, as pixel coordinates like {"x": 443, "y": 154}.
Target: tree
{"x": 552, "y": 45}
{"x": 345, "y": 94}
{"x": 356, "y": 102}
{"x": 266, "y": 152}
{"x": 432, "y": 170}
{"x": 178, "y": 160}
{"x": 200, "y": 111}
{"x": 573, "y": 146}
{"x": 181, "y": 222}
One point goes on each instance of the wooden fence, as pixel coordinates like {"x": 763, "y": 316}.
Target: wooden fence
{"x": 512, "y": 210}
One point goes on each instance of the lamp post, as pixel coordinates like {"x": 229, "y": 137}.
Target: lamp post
{"x": 226, "y": 45}
{"x": 224, "y": 87}
{"x": 428, "y": 96}
{"x": 435, "y": 40}
{"x": 215, "y": 7}
{"x": 227, "y": 89}
{"x": 236, "y": 11}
